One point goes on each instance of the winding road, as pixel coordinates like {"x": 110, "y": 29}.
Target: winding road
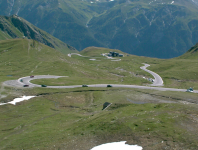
{"x": 157, "y": 83}
{"x": 158, "y": 80}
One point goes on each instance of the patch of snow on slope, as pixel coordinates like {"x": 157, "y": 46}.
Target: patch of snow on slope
{"x": 117, "y": 146}
{"x": 172, "y": 2}
{"x": 16, "y": 100}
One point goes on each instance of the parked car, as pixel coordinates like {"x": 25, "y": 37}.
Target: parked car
{"x": 25, "y": 85}
{"x": 190, "y": 90}
{"x": 43, "y": 85}
{"x": 21, "y": 80}
{"x": 109, "y": 85}
{"x": 84, "y": 85}
{"x": 31, "y": 76}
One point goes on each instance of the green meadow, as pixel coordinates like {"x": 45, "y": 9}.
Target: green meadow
{"x": 73, "y": 119}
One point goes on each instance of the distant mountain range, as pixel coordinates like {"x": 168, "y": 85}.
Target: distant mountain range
{"x": 155, "y": 28}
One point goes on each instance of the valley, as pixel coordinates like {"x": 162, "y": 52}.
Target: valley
{"x": 161, "y": 28}
{"x": 77, "y": 74}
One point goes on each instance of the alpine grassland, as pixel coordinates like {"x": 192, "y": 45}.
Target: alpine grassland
{"x": 73, "y": 119}
{"x": 179, "y": 72}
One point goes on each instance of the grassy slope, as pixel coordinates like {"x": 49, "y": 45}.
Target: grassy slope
{"x": 191, "y": 53}
{"x": 72, "y": 118}
{"x": 16, "y": 27}
{"x": 103, "y": 71}
{"x": 175, "y": 72}
{"x": 7, "y": 30}
{"x": 65, "y": 119}
{"x": 180, "y": 72}
{"x": 4, "y": 36}
{"x": 22, "y": 57}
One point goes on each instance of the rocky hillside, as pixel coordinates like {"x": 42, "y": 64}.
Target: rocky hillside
{"x": 65, "y": 20}
{"x": 16, "y": 27}
{"x": 156, "y": 30}
{"x": 160, "y": 28}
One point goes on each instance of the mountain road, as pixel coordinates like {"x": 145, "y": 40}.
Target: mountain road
{"x": 157, "y": 82}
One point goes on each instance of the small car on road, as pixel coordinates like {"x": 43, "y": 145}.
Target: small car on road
{"x": 189, "y": 90}
{"x": 84, "y": 85}
{"x": 31, "y": 76}
{"x": 25, "y": 85}
{"x": 43, "y": 85}
{"x": 109, "y": 85}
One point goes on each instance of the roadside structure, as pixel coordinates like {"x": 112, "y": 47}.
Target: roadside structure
{"x": 106, "y": 105}
{"x": 115, "y": 54}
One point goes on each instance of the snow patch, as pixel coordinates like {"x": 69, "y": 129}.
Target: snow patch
{"x": 172, "y": 2}
{"x": 117, "y": 146}
{"x": 16, "y": 100}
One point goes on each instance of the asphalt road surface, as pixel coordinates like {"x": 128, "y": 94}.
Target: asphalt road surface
{"x": 158, "y": 82}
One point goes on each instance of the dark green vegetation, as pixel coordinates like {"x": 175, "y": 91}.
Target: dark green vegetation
{"x": 140, "y": 27}
{"x": 155, "y": 30}
{"x": 65, "y": 20}
{"x": 73, "y": 119}
{"x": 16, "y": 27}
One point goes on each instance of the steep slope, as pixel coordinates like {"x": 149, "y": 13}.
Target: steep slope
{"x": 155, "y": 30}
{"x": 63, "y": 19}
{"x": 17, "y": 27}
{"x": 23, "y": 57}
{"x": 192, "y": 53}
{"x": 180, "y": 72}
